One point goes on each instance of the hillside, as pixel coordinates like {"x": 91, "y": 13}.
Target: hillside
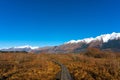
{"x": 109, "y": 42}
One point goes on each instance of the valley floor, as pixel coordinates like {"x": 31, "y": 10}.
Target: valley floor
{"x": 28, "y": 66}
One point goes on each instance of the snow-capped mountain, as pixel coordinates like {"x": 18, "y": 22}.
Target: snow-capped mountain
{"x": 26, "y": 48}
{"x": 103, "y": 42}
{"x": 105, "y": 38}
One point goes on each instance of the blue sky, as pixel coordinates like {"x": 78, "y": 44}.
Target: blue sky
{"x": 53, "y": 22}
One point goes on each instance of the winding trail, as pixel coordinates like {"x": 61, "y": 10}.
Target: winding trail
{"x": 64, "y": 73}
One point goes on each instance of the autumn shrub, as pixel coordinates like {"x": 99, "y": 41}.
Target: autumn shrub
{"x": 27, "y": 67}
{"x": 83, "y": 66}
{"x": 96, "y": 53}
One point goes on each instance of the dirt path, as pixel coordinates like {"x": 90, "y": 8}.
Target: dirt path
{"x": 64, "y": 73}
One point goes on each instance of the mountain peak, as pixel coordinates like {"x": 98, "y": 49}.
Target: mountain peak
{"x": 105, "y": 38}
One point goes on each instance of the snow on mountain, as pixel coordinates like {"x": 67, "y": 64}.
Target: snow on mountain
{"x": 27, "y": 46}
{"x": 105, "y": 38}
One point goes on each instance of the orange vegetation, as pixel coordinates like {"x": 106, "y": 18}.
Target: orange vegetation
{"x": 27, "y": 67}
{"x": 91, "y": 65}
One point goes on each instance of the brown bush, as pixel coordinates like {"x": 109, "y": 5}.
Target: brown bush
{"x": 40, "y": 66}
{"x": 27, "y": 67}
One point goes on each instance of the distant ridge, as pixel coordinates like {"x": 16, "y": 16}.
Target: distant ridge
{"x": 26, "y": 48}
{"x": 103, "y": 42}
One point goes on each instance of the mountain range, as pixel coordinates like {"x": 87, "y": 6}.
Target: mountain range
{"x": 26, "y": 48}
{"x": 102, "y": 42}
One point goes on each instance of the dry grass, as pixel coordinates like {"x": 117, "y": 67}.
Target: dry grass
{"x": 83, "y": 67}
{"x": 27, "y": 67}
{"x": 21, "y": 66}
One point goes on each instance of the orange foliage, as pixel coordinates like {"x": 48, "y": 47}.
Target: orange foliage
{"x": 27, "y": 67}
{"x": 84, "y": 66}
